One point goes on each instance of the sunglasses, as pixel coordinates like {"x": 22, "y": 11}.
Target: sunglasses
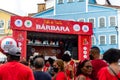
{"x": 88, "y": 67}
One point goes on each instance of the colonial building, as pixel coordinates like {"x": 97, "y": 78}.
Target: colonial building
{"x": 105, "y": 19}
{"x": 5, "y": 23}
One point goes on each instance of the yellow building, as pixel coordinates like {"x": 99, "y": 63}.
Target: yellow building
{"x": 5, "y": 23}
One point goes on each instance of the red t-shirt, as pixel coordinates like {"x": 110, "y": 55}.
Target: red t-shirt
{"x": 60, "y": 76}
{"x": 87, "y": 78}
{"x": 69, "y": 71}
{"x": 104, "y": 74}
{"x": 15, "y": 71}
{"x": 97, "y": 65}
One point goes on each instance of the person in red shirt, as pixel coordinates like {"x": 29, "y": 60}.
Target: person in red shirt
{"x": 59, "y": 73}
{"x": 111, "y": 72}
{"x": 84, "y": 70}
{"x": 97, "y": 63}
{"x": 69, "y": 65}
{"x": 69, "y": 70}
{"x": 46, "y": 66}
{"x": 13, "y": 69}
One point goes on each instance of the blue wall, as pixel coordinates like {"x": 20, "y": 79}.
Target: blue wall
{"x": 77, "y": 10}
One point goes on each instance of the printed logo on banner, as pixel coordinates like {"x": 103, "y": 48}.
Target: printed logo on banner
{"x": 85, "y": 52}
{"x": 76, "y": 27}
{"x": 85, "y": 28}
{"x": 28, "y": 23}
{"x": 85, "y": 56}
{"x": 18, "y": 23}
{"x": 84, "y": 48}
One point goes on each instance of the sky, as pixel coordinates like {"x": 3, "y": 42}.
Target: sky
{"x": 20, "y": 7}
{"x": 23, "y": 7}
{"x": 113, "y": 2}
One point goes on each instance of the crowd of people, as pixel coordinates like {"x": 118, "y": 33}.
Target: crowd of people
{"x": 94, "y": 68}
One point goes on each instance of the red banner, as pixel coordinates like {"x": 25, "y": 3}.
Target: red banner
{"x": 21, "y": 38}
{"x": 84, "y": 45}
{"x": 50, "y": 25}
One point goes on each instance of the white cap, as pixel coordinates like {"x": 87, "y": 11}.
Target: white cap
{"x": 15, "y": 51}
{"x": 67, "y": 52}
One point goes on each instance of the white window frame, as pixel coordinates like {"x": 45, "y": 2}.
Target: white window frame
{"x": 3, "y": 23}
{"x": 70, "y": 1}
{"x": 60, "y": 2}
{"x": 115, "y": 38}
{"x": 93, "y": 37}
{"x": 81, "y": 19}
{"x": 99, "y": 21}
{"x": 99, "y": 39}
{"x": 94, "y": 21}
{"x": 109, "y": 21}
{"x": 8, "y": 26}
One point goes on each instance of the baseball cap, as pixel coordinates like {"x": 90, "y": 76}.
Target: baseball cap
{"x": 15, "y": 51}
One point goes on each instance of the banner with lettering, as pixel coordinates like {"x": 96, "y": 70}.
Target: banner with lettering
{"x": 50, "y": 25}
{"x": 21, "y": 25}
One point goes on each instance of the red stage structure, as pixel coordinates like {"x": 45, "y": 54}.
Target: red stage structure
{"x": 51, "y": 37}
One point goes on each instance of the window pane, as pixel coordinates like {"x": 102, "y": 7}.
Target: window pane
{"x": 8, "y": 24}
{"x": 92, "y": 20}
{"x": 81, "y": 20}
{"x": 102, "y": 39}
{"x": 102, "y": 22}
{"x": 112, "y": 21}
{"x": 93, "y": 41}
{"x": 80, "y": 0}
{"x": 113, "y": 40}
{"x": 2, "y": 31}
{"x": 70, "y": 0}
{"x": 60, "y": 1}
{"x": 1, "y": 23}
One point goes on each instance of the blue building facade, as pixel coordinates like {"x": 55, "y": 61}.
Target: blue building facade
{"x": 105, "y": 19}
